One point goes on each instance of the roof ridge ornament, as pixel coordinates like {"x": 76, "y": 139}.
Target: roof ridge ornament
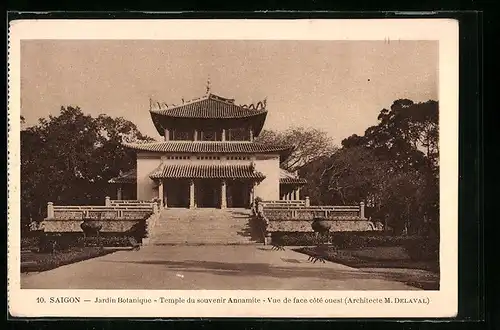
{"x": 261, "y": 105}
{"x": 208, "y": 86}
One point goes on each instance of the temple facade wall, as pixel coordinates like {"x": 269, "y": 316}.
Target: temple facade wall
{"x": 146, "y": 188}
{"x": 269, "y": 188}
{"x": 268, "y": 165}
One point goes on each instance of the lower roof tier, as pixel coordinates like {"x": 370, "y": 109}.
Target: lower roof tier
{"x": 165, "y": 171}
{"x": 130, "y": 177}
{"x": 212, "y": 147}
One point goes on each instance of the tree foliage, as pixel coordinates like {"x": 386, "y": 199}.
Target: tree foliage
{"x": 393, "y": 167}
{"x": 69, "y": 158}
{"x": 309, "y": 144}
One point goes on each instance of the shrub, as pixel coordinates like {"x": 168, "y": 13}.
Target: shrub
{"x": 139, "y": 230}
{"x": 106, "y": 241}
{"x": 294, "y": 239}
{"x": 31, "y": 242}
{"x": 424, "y": 249}
{"x": 346, "y": 240}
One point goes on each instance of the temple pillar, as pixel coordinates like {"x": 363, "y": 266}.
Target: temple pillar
{"x": 161, "y": 194}
{"x": 252, "y": 192}
{"x": 191, "y": 194}
{"x": 195, "y": 135}
{"x": 251, "y": 135}
{"x": 223, "y": 198}
{"x": 119, "y": 193}
{"x": 223, "y": 137}
{"x": 167, "y": 134}
{"x": 298, "y": 193}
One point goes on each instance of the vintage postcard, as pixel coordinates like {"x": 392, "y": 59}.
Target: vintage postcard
{"x": 233, "y": 168}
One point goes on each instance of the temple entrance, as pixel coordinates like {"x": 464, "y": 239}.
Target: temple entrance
{"x": 176, "y": 193}
{"x": 238, "y": 194}
{"x": 208, "y": 193}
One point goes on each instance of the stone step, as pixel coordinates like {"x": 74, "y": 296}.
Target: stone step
{"x": 201, "y": 227}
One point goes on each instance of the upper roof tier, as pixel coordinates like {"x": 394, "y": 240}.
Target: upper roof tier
{"x": 209, "y": 110}
{"x": 212, "y": 147}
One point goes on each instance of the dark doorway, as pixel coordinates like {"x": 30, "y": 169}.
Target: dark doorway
{"x": 177, "y": 193}
{"x": 238, "y": 194}
{"x": 208, "y": 193}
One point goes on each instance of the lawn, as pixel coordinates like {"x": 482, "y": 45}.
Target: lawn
{"x": 392, "y": 261}
{"x": 39, "y": 262}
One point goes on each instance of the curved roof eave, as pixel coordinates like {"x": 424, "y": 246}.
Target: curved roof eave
{"x": 160, "y": 120}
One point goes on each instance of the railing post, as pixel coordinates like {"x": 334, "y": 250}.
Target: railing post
{"x": 50, "y": 210}
{"x": 107, "y": 201}
{"x": 362, "y": 210}
{"x": 308, "y": 202}
{"x": 267, "y": 239}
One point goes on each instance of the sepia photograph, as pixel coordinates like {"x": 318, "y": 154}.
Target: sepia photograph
{"x": 235, "y": 164}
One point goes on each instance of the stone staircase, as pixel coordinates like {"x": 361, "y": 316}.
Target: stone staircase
{"x": 203, "y": 227}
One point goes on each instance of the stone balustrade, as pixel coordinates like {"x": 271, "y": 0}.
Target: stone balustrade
{"x": 283, "y": 203}
{"x": 68, "y": 218}
{"x": 283, "y": 216}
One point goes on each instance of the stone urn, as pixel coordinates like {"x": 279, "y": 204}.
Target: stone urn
{"x": 90, "y": 227}
{"x": 321, "y": 227}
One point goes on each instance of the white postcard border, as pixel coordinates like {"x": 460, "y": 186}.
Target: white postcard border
{"x": 442, "y": 303}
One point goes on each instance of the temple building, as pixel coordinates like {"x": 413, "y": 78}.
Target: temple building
{"x": 208, "y": 158}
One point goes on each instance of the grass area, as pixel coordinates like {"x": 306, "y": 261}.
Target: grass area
{"x": 39, "y": 262}
{"x": 383, "y": 257}
{"x": 391, "y": 262}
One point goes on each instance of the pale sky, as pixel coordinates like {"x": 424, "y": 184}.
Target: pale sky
{"x": 336, "y": 86}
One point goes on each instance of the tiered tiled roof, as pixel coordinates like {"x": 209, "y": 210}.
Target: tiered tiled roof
{"x": 290, "y": 178}
{"x": 131, "y": 176}
{"x": 211, "y": 147}
{"x": 206, "y": 171}
{"x": 127, "y": 177}
{"x": 210, "y": 107}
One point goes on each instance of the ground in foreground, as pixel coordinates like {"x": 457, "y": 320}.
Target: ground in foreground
{"x": 391, "y": 262}
{"x": 239, "y": 267}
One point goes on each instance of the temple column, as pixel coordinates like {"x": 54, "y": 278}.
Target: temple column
{"x": 298, "y": 193}
{"x": 252, "y": 192}
{"x": 191, "y": 194}
{"x": 195, "y": 135}
{"x": 223, "y": 199}
{"x": 119, "y": 193}
{"x": 251, "y": 135}
{"x": 160, "y": 194}
{"x": 167, "y": 134}
{"x": 223, "y": 137}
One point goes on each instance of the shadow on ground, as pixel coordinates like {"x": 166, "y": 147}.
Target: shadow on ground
{"x": 264, "y": 269}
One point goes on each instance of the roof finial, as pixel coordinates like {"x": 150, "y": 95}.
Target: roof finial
{"x": 208, "y": 85}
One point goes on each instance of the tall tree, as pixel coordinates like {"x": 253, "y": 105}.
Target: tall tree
{"x": 407, "y": 134}
{"x": 69, "y": 158}
{"x": 394, "y": 167}
{"x": 309, "y": 144}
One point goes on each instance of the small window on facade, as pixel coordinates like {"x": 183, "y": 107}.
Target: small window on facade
{"x": 181, "y": 135}
{"x": 238, "y": 134}
{"x": 210, "y": 135}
